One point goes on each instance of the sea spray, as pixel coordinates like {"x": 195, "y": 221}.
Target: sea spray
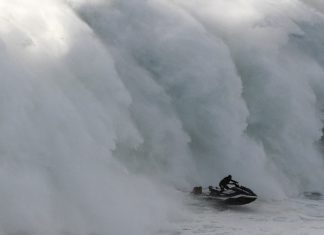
{"x": 108, "y": 107}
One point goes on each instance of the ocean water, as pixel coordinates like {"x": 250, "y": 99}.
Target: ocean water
{"x": 302, "y": 215}
{"x": 111, "y": 109}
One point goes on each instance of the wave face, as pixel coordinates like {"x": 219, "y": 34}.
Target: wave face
{"x": 108, "y": 106}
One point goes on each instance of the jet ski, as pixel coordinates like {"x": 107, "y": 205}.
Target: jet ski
{"x": 235, "y": 195}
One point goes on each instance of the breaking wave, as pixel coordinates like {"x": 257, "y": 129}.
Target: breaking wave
{"x": 108, "y": 106}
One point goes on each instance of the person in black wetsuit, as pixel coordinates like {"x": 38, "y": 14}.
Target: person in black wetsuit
{"x": 224, "y": 182}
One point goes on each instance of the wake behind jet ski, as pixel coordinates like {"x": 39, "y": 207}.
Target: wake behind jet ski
{"x": 234, "y": 195}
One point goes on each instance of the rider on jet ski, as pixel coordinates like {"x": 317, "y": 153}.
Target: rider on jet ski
{"x": 224, "y": 182}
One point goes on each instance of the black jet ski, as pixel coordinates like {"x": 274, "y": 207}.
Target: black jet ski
{"x": 235, "y": 195}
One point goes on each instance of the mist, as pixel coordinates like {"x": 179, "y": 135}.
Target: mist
{"x": 109, "y": 110}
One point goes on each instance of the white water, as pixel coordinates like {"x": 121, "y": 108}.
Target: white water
{"x": 286, "y": 217}
{"x": 108, "y": 104}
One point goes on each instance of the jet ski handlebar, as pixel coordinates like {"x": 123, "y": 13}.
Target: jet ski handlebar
{"x": 235, "y": 184}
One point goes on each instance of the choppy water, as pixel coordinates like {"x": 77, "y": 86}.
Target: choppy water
{"x": 302, "y": 216}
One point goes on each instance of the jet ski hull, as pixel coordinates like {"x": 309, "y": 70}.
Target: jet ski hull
{"x": 242, "y": 200}
{"x": 238, "y": 195}
{"x": 239, "y": 201}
